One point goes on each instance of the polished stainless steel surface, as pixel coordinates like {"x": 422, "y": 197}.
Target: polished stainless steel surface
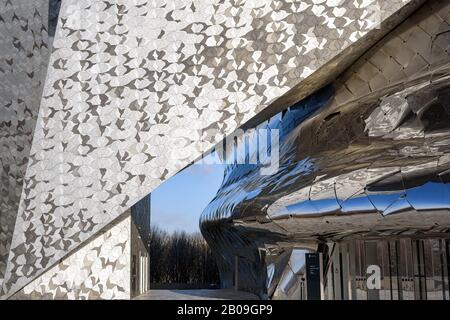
{"x": 367, "y": 156}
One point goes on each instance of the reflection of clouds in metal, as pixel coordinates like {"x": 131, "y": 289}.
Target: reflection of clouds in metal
{"x": 367, "y": 155}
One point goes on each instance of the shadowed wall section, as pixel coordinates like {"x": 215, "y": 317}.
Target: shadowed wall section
{"x": 24, "y": 54}
{"x": 98, "y": 270}
{"x": 114, "y": 264}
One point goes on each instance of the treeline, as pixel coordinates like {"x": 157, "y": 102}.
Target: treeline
{"x": 181, "y": 258}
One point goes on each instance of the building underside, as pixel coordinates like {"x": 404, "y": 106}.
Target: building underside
{"x": 103, "y": 100}
{"x": 363, "y": 180}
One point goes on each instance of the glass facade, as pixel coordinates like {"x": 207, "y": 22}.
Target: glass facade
{"x": 391, "y": 269}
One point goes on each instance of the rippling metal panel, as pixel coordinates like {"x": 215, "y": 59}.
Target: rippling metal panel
{"x": 367, "y": 155}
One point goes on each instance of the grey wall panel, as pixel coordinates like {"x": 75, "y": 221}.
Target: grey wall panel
{"x": 99, "y": 269}
{"x": 24, "y": 55}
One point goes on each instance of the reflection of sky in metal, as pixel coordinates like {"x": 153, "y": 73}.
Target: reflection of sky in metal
{"x": 369, "y": 160}
{"x": 285, "y": 122}
{"x": 426, "y": 197}
{"x": 178, "y": 202}
{"x": 230, "y": 194}
{"x": 334, "y": 164}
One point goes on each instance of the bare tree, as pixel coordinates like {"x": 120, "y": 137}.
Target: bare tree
{"x": 181, "y": 258}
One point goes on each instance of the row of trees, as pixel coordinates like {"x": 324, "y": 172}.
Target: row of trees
{"x": 181, "y": 258}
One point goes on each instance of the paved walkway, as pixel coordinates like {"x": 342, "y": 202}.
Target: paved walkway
{"x": 203, "y": 294}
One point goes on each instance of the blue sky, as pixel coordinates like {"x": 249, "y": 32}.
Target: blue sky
{"x": 179, "y": 201}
